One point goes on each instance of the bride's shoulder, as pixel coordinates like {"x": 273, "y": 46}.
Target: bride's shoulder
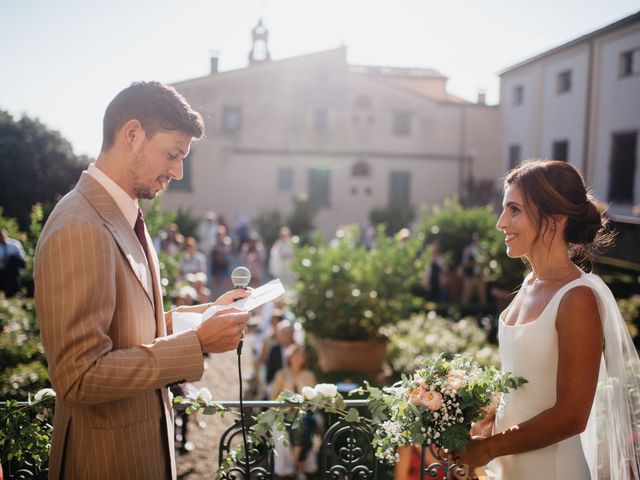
{"x": 580, "y": 304}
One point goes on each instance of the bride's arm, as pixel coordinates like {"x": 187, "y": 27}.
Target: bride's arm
{"x": 580, "y": 342}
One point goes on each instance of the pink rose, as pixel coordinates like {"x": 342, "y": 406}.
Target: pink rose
{"x": 432, "y": 400}
{"x": 454, "y": 383}
{"x": 416, "y": 396}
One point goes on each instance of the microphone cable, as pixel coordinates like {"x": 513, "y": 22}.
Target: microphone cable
{"x": 242, "y": 420}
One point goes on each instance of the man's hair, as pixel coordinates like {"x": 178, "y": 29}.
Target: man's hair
{"x": 156, "y": 106}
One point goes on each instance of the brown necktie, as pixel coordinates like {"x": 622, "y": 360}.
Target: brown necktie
{"x": 139, "y": 229}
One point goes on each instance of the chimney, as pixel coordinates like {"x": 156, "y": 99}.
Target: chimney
{"x": 482, "y": 97}
{"x": 215, "y": 54}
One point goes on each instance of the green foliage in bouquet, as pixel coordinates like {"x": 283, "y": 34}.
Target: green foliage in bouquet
{"x": 349, "y": 292}
{"x": 415, "y": 340}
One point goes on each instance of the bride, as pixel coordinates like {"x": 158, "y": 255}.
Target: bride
{"x": 578, "y": 417}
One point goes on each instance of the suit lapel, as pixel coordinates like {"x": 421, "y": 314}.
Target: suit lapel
{"x": 121, "y": 231}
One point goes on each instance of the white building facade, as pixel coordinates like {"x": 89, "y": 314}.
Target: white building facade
{"x": 580, "y": 102}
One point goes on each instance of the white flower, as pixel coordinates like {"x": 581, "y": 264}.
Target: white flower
{"x": 327, "y": 389}
{"x": 204, "y": 395}
{"x": 45, "y": 392}
{"x": 309, "y": 393}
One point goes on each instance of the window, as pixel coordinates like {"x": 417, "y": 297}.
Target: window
{"x": 320, "y": 120}
{"x": 231, "y": 119}
{"x": 560, "y": 150}
{"x": 518, "y": 95}
{"x": 319, "y": 187}
{"x": 401, "y": 123}
{"x": 285, "y": 179}
{"x": 360, "y": 169}
{"x": 563, "y": 83}
{"x": 399, "y": 189}
{"x": 362, "y": 102}
{"x": 515, "y": 156}
{"x": 184, "y": 183}
{"x": 629, "y": 63}
{"x": 622, "y": 168}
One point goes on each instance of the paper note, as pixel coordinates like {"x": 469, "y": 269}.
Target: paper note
{"x": 259, "y": 296}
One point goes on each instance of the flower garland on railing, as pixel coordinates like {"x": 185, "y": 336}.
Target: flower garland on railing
{"x": 436, "y": 405}
{"x": 25, "y": 430}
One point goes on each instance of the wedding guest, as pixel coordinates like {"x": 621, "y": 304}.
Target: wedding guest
{"x": 578, "y": 417}
{"x": 12, "y": 261}
{"x": 206, "y": 233}
{"x": 253, "y": 256}
{"x": 221, "y": 261}
{"x": 293, "y": 377}
{"x": 281, "y": 257}
{"x": 112, "y": 354}
{"x": 473, "y": 284}
{"x": 193, "y": 260}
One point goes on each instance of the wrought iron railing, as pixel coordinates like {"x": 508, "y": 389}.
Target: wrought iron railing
{"x": 346, "y": 451}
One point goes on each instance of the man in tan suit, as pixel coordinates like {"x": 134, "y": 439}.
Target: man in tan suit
{"x": 110, "y": 347}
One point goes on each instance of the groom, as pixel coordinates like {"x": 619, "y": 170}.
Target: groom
{"x": 109, "y": 344}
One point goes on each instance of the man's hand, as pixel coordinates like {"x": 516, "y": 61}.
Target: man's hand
{"x": 225, "y": 299}
{"x": 231, "y": 296}
{"x": 222, "y": 331}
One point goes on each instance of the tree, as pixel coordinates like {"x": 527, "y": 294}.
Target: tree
{"x": 37, "y": 165}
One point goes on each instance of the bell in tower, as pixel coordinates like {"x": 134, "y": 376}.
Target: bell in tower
{"x": 260, "y": 47}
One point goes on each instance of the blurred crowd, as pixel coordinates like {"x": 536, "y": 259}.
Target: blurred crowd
{"x": 208, "y": 257}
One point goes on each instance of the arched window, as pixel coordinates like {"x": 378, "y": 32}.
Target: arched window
{"x": 360, "y": 169}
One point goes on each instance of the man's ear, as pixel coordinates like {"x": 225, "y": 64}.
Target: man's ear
{"x": 132, "y": 135}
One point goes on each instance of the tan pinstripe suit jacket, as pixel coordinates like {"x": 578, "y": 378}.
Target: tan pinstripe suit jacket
{"x": 105, "y": 337}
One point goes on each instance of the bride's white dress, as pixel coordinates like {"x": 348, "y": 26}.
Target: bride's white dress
{"x": 531, "y": 351}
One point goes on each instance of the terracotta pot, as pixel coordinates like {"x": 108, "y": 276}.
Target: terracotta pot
{"x": 350, "y": 355}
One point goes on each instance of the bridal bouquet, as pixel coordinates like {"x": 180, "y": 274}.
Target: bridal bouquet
{"x": 436, "y": 405}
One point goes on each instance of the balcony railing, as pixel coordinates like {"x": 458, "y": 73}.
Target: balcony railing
{"x": 346, "y": 452}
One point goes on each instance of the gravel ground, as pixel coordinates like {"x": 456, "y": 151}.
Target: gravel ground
{"x": 221, "y": 378}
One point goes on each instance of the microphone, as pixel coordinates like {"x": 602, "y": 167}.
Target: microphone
{"x": 241, "y": 277}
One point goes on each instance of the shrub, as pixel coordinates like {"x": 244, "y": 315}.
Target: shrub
{"x": 414, "y": 340}
{"x": 348, "y": 292}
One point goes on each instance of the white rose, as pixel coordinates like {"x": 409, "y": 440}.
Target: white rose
{"x": 309, "y": 393}
{"x": 45, "y": 392}
{"x": 327, "y": 389}
{"x": 204, "y": 395}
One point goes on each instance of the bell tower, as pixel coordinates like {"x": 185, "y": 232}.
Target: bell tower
{"x": 260, "y": 46}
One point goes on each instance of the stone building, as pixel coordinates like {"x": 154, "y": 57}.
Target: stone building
{"x": 350, "y": 137}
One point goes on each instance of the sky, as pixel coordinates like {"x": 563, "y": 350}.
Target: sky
{"x": 62, "y": 61}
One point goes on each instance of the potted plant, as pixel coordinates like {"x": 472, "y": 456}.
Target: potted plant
{"x": 347, "y": 292}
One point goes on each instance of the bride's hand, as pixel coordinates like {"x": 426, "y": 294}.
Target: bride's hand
{"x": 475, "y": 456}
{"x": 484, "y": 427}
{"x": 231, "y": 296}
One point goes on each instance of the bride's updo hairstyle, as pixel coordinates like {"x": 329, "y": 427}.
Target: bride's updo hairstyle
{"x": 552, "y": 187}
